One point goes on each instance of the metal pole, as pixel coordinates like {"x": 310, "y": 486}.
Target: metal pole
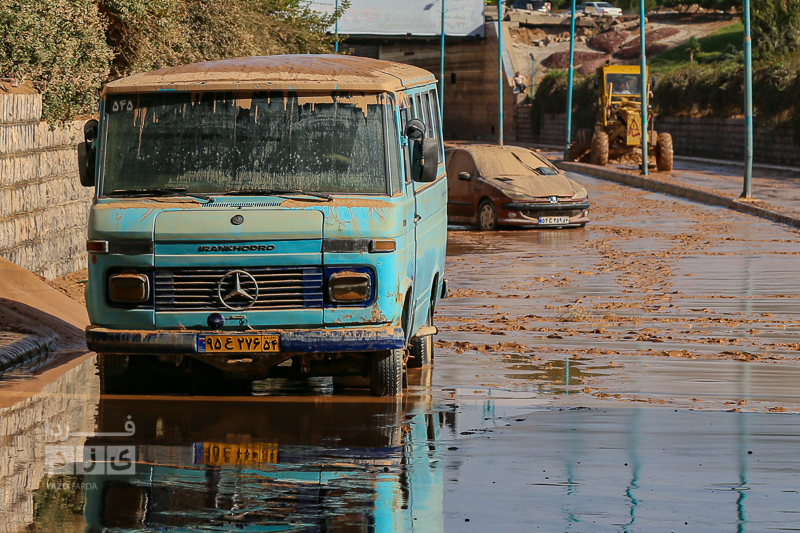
{"x": 500, "y": 58}
{"x": 748, "y": 105}
{"x": 441, "y": 72}
{"x": 643, "y": 89}
{"x": 569, "y": 83}
{"x": 533, "y": 76}
{"x": 336, "y": 26}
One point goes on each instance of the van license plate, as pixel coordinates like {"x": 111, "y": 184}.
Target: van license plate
{"x": 239, "y": 343}
{"x": 218, "y": 453}
{"x": 553, "y": 220}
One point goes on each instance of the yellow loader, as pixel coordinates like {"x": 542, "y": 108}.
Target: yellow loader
{"x": 618, "y": 128}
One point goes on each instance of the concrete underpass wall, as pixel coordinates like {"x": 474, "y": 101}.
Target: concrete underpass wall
{"x": 723, "y": 138}
{"x": 43, "y": 207}
{"x": 716, "y": 138}
{"x": 470, "y": 83}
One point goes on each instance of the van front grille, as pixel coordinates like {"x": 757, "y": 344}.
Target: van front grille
{"x": 198, "y": 289}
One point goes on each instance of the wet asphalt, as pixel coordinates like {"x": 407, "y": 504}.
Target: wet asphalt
{"x": 636, "y": 375}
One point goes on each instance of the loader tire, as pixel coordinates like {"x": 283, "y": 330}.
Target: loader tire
{"x": 600, "y": 148}
{"x": 664, "y": 152}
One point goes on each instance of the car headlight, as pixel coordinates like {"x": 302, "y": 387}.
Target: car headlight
{"x": 582, "y": 194}
{"x": 516, "y": 194}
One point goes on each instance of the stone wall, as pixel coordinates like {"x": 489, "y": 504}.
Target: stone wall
{"x": 714, "y": 138}
{"x": 43, "y": 207}
{"x": 30, "y": 426}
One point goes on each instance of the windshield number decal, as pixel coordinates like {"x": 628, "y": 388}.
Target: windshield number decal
{"x": 122, "y": 105}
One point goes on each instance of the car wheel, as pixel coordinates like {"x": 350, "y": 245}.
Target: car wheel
{"x": 664, "y": 152}
{"x": 487, "y": 216}
{"x": 386, "y": 375}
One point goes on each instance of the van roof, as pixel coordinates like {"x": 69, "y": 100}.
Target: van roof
{"x": 279, "y": 72}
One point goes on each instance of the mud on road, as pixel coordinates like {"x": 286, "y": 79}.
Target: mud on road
{"x": 652, "y": 281}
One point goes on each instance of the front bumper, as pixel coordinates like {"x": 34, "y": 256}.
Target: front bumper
{"x": 527, "y": 214}
{"x": 292, "y": 341}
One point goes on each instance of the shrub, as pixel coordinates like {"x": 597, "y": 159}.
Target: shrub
{"x": 60, "y": 43}
{"x": 73, "y": 46}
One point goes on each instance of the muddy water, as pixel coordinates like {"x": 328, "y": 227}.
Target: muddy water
{"x": 636, "y": 375}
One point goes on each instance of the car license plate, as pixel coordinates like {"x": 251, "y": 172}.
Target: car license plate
{"x": 222, "y": 453}
{"x": 553, "y": 220}
{"x": 239, "y": 343}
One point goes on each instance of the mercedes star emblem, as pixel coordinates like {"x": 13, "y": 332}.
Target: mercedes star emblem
{"x": 242, "y": 290}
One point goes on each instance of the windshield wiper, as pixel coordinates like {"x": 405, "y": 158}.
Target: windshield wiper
{"x": 171, "y": 191}
{"x": 278, "y": 192}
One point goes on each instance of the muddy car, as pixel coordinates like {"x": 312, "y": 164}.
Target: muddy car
{"x": 492, "y": 185}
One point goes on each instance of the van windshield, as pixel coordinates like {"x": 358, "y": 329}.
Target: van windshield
{"x": 217, "y": 142}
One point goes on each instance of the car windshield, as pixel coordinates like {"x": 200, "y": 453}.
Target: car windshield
{"x": 507, "y": 162}
{"x": 604, "y": 4}
{"x": 218, "y": 142}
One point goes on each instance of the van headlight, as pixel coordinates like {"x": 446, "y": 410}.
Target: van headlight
{"x": 349, "y": 287}
{"x": 128, "y": 287}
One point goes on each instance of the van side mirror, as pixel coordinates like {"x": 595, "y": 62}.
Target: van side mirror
{"x": 87, "y": 154}
{"x": 415, "y": 129}
{"x": 429, "y": 163}
{"x": 464, "y": 176}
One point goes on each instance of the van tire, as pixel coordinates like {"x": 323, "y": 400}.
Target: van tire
{"x": 386, "y": 376}
{"x": 421, "y": 348}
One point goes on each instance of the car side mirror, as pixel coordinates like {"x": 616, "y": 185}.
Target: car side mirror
{"x": 87, "y": 154}
{"x": 464, "y": 176}
{"x": 429, "y": 163}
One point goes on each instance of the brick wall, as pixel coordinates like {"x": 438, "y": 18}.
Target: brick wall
{"x": 715, "y": 138}
{"x": 43, "y": 207}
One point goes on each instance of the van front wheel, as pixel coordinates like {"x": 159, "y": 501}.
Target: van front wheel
{"x": 386, "y": 375}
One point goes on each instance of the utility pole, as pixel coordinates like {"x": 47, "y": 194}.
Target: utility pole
{"x": 569, "y": 83}
{"x": 748, "y": 104}
{"x": 500, "y": 62}
{"x": 643, "y": 89}
{"x": 441, "y": 72}
{"x": 336, "y": 27}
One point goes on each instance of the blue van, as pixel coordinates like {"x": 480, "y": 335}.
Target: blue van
{"x": 266, "y": 216}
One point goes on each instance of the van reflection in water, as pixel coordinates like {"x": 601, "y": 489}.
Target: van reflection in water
{"x": 299, "y": 464}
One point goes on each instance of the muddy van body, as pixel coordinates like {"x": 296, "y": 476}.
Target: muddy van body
{"x": 266, "y": 216}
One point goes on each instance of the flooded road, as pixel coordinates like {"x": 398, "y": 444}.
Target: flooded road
{"x": 636, "y": 375}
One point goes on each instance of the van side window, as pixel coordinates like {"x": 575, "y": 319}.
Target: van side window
{"x": 434, "y": 115}
{"x": 405, "y": 116}
{"x": 395, "y": 174}
{"x": 425, "y": 115}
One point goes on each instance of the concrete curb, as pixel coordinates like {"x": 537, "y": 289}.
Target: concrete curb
{"x": 697, "y": 194}
{"x": 24, "y": 350}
